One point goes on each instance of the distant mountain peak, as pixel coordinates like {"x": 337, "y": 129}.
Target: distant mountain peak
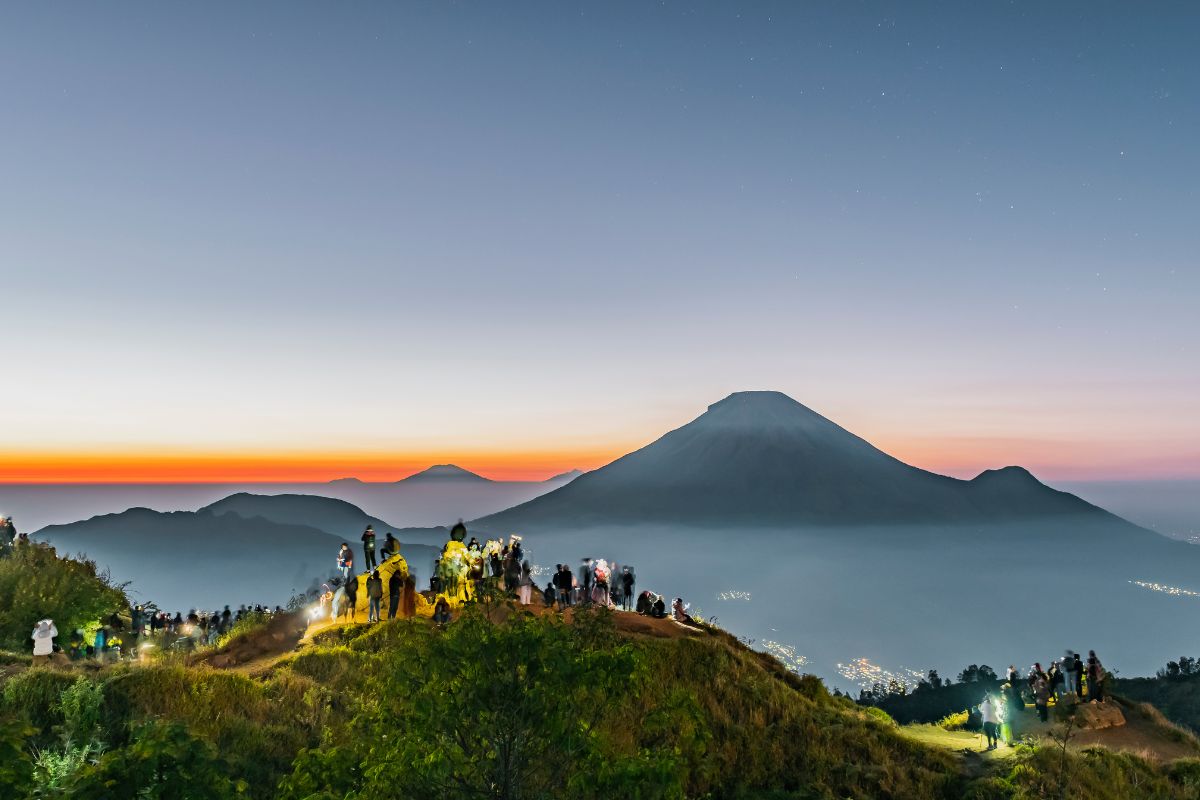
{"x": 445, "y": 472}
{"x": 346, "y": 480}
{"x": 569, "y": 475}
{"x": 1013, "y": 475}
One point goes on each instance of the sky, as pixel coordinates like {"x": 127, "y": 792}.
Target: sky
{"x": 307, "y": 240}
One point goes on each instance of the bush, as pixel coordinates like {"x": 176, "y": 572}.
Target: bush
{"x": 35, "y": 584}
{"x": 80, "y": 708}
{"x": 35, "y": 695}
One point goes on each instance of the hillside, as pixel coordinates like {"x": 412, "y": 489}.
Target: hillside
{"x": 200, "y": 559}
{"x": 761, "y": 458}
{"x": 333, "y": 516}
{"x": 511, "y": 705}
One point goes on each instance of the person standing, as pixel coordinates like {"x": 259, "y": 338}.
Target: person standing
{"x": 1095, "y": 675}
{"x": 585, "y": 578}
{"x": 395, "y": 587}
{"x": 627, "y": 587}
{"x": 43, "y": 641}
{"x": 562, "y": 581}
{"x": 374, "y": 596}
{"x": 345, "y": 560}
{"x": 368, "y": 540}
{"x": 352, "y": 598}
{"x": 1068, "y": 670}
{"x": 989, "y": 711}
{"x": 1077, "y": 671}
{"x": 1041, "y": 696}
{"x": 525, "y": 584}
{"x": 409, "y": 601}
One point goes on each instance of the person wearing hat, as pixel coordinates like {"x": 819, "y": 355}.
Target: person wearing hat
{"x": 43, "y": 641}
{"x": 368, "y": 540}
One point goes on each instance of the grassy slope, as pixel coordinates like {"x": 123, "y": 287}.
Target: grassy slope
{"x": 741, "y": 724}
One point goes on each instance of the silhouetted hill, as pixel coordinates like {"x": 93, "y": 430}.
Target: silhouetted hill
{"x": 564, "y": 477}
{"x": 763, "y": 458}
{"x": 445, "y": 472}
{"x": 187, "y": 559}
{"x": 333, "y": 516}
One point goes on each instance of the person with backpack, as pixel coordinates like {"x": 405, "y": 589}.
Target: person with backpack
{"x": 368, "y": 540}
{"x": 345, "y": 560}
{"x": 391, "y": 546}
{"x": 374, "y": 596}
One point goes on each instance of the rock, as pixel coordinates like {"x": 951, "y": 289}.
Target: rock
{"x": 1098, "y": 716}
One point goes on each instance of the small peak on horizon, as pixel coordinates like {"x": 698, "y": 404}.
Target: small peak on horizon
{"x": 1012, "y": 473}
{"x": 446, "y": 471}
{"x": 570, "y": 474}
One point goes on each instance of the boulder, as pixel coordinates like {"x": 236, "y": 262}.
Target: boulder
{"x": 1098, "y": 716}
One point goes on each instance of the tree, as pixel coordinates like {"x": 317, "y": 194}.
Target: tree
{"x": 36, "y": 584}
{"x": 506, "y": 710}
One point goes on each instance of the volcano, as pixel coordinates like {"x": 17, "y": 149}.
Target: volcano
{"x": 763, "y": 458}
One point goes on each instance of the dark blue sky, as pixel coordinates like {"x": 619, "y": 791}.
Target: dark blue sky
{"x": 966, "y": 231}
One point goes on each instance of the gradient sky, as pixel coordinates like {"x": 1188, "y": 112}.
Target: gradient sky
{"x": 323, "y": 239}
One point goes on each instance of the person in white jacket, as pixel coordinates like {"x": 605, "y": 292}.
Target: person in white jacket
{"x": 989, "y": 710}
{"x": 43, "y": 641}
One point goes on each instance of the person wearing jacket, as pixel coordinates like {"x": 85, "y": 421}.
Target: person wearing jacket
{"x": 43, "y": 641}
{"x": 395, "y": 587}
{"x": 1095, "y": 675}
{"x": 628, "y": 598}
{"x": 351, "y": 598}
{"x": 345, "y": 560}
{"x": 368, "y": 540}
{"x": 374, "y": 596}
{"x": 1077, "y": 671}
{"x": 391, "y": 546}
{"x": 409, "y": 598}
{"x": 989, "y": 711}
{"x": 525, "y": 584}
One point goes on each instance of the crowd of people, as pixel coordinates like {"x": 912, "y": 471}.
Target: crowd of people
{"x": 9, "y": 538}
{"x": 1068, "y": 679}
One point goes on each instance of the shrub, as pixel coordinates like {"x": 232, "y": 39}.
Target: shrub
{"x": 35, "y": 584}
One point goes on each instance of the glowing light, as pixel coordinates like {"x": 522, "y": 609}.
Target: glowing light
{"x": 786, "y": 654}
{"x": 865, "y": 674}
{"x": 733, "y": 595}
{"x": 1165, "y": 589}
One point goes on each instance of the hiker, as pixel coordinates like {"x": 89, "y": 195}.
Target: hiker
{"x": 550, "y": 594}
{"x": 645, "y": 602}
{"x": 391, "y": 546}
{"x": 1041, "y": 696}
{"x": 368, "y": 540}
{"x": 1068, "y": 671}
{"x": 525, "y": 583}
{"x": 1056, "y": 680}
{"x": 989, "y": 711}
{"x": 345, "y": 560}
{"x": 1077, "y": 671}
{"x": 1014, "y": 688}
{"x": 562, "y": 580}
{"x": 659, "y": 608}
{"x": 627, "y": 587}
{"x": 516, "y": 550}
{"x": 585, "y": 578}
{"x": 679, "y": 611}
{"x": 374, "y": 595}
{"x": 395, "y": 586}
{"x": 512, "y": 576}
{"x": 100, "y": 643}
{"x": 43, "y": 641}
{"x": 409, "y": 598}
{"x": 351, "y": 605}
{"x": 1095, "y": 676}
{"x": 441, "y": 611}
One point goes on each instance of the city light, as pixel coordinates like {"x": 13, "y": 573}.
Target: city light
{"x": 1165, "y": 589}
{"x": 786, "y": 654}
{"x": 863, "y": 673}
{"x": 733, "y": 595}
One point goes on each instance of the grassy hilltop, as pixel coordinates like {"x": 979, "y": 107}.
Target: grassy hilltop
{"x": 501, "y": 703}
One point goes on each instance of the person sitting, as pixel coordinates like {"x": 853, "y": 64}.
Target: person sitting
{"x": 550, "y": 595}
{"x": 645, "y": 602}
{"x": 679, "y": 612}
{"x": 441, "y": 611}
{"x": 43, "y": 641}
{"x": 659, "y": 609}
{"x": 391, "y": 547}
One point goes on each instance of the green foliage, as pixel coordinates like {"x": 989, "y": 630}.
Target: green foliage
{"x": 35, "y": 584}
{"x": 55, "y": 770}
{"x": 79, "y": 705}
{"x": 880, "y": 715}
{"x": 34, "y": 695}
{"x": 164, "y": 762}
{"x": 16, "y": 766}
{"x": 1174, "y": 692}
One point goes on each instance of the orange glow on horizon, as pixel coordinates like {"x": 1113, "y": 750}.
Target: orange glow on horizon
{"x": 959, "y": 457}
{"x": 287, "y": 467}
